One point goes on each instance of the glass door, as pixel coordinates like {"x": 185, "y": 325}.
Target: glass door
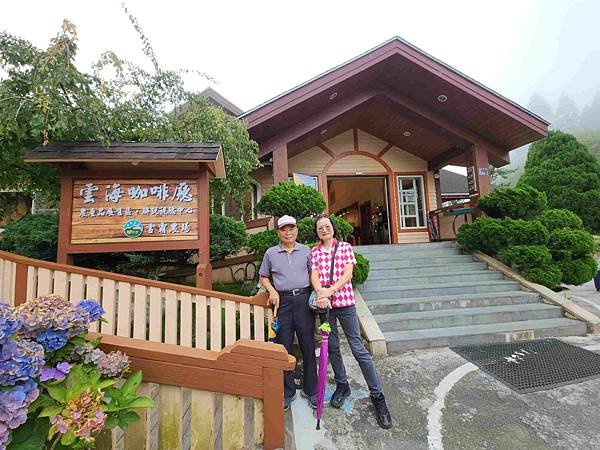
{"x": 411, "y": 196}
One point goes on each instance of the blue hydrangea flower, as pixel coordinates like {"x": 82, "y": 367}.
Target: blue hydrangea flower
{"x": 93, "y": 308}
{"x": 20, "y": 360}
{"x": 9, "y": 324}
{"x": 52, "y": 340}
{"x": 13, "y": 407}
{"x": 57, "y": 373}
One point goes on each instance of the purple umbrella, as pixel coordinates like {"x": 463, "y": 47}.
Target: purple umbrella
{"x": 325, "y": 329}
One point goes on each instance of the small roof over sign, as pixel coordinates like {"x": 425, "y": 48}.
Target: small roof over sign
{"x": 210, "y": 153}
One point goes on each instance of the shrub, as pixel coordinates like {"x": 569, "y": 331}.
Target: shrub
{"x": 548, "y": 276}
{"x": 525, "y": 232}
{"x": 260, "y": 242}
{"x": 227, "y": 236}
{"x": 296, "y": 200}
{"x": 34, "y": 236}
{"x": 565, "y": 243}
{"x": 578, "y": 271}
{"x": 522, "y": 202}
{"x": 361, "y": 269}
{"x": 486, "y": 234}
{"x": 526, "y": 256}
{"x": 554, "y": 219}
{"x": 568, "y": 173}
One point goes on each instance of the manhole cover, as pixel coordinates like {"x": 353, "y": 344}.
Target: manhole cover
{"x": 530, "y": 366}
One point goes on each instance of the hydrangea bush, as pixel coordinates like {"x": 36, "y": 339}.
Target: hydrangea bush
{"x": 57, "y": 389}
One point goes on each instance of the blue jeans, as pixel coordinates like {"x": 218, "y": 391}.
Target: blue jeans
{"x": 349, "y": 321}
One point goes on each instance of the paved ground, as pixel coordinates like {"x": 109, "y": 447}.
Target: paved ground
{"x": 585, "y": 295}
{"x": 470, "y": 411}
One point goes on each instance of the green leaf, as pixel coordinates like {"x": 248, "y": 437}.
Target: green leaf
{"x": 130, "y": 386}
{"x": 42, "y": 401}
{"x": 141, "y": 402}
{"x": 58, "y": 393}
{"x": 68, "y": 438}
{"x": 50, "y": 411}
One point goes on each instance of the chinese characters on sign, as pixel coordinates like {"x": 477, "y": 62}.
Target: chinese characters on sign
{"x": 471, "y": 180}
{"x": 104, "y": 210}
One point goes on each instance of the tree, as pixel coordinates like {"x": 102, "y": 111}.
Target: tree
{"x": 297, "y": 200}
{"x": 590, "y": 115}
{"x": 44, "y": 97}
{"x": 541, "y": 107}
{"x": 568, "y": 173}
{"x": 567, "y": 114}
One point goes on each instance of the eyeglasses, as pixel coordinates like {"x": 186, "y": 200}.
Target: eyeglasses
{"x": 326, "y": 228}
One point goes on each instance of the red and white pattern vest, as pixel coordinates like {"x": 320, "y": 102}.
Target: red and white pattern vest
{"x": 321, "y": 262}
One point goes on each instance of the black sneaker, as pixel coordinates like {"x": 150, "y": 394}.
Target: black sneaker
{"x": 382, "y": 414}
{"x": 342, "y": 391}
{"x": 287, "y": 402}
{"x": 312, "y": 399}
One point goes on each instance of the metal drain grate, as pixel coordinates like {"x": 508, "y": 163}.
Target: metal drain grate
{"x": 530, "y": 366}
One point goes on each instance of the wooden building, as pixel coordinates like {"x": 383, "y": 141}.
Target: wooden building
{"x": 373, "y": 133}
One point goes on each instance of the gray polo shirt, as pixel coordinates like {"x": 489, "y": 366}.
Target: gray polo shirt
{"x": 287, "y": 270}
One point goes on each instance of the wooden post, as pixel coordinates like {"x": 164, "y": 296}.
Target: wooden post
{"x": 274, "y": 419}
{"x": 20, "y": 284}
{"x": 280, "y": 164}
{"x": 204, "y": 269}
{"x": 478, "y": 173}
{"x": 64, "y": 224}
{"x": 438, "y": 188}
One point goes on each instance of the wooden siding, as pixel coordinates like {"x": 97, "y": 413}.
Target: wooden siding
{"x": 413, "y": 237}
{"x": 369, "y": 143}
{"x": 310, "y": 161}
{"x": 341, "y": 143}
{"x": 356, "y": 163}
{"x": 264, "y": 178}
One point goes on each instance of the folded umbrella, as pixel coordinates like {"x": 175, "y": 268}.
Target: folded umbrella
{"x": 324, "y": 329}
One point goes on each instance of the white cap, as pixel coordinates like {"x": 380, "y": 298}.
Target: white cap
{"x": 285, "y": 220}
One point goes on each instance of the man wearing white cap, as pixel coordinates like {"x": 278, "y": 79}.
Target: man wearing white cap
{"x": 285, "y": 273}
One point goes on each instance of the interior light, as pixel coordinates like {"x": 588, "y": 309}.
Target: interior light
{"x": 323, "y": 131}
{"x": 442, "y": 98}
{"x": 407, "y": 133}
{"x": 333, "y": 96}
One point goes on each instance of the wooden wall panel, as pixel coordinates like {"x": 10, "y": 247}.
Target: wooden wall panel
{"x": 341, "y": 143}
{"x": 413, "y": 237}
{"x": 369, "y": 143}
{"x": 431, "y": 191}
{"x": 264, "y": 177}
{"x": 402, "y": 161}
{"x": 356, "y": 163}
{"x": 311, "y": 161}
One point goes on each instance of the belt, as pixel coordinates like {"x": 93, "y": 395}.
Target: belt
{"x": 295, "y": 292}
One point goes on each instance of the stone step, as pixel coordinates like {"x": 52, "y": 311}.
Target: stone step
{"x": 376, "y": 283}
{"x": 473, "y": 287}
{"x": 466, "y": 316}
{"x": 394, "y": 256}
{"x": 401, "y": 341}
{"x": 422, "y": 270}
{"x": 388, "y": 248}
{"x": 445, "y": 302}
{"x": 420, "y": 260}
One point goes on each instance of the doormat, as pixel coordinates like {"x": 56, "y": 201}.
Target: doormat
{"x": 530, "y": 366}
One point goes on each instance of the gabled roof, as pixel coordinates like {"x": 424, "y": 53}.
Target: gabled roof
{"x": 407, "y": 81}
{"x": 140, "y": 152}
{"x": 218, "y": 100}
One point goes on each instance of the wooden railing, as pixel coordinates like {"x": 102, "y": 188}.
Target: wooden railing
{"x": 140, "y": 308}
{"x": 230, "y": 399}
{"x": 444, "y": 222}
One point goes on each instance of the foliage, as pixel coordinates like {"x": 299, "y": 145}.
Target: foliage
{"x": 486, "y": 234}
{"x": 554, "y": 219}
{"x": 296, "y": 200}
{"x": 525, "y": 232}
{"x": 578, "y": 271}
{"x": 523, "y": 202}
{"x": 34, "y": 236}
{"x": 58, "y": 390}
{"x": 565, "y": 170}
{"x": 361, "y": 269}
{"x": 565, "y": 243}
{"x": 260, "y": 242}
{"x": 45, "y": 97}
{"x": 227, "y": 236}
{"x": 546, "y": 276}
{"x": 526, "y": 256}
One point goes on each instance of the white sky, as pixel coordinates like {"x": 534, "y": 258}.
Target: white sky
{"x": 258, "y": 49}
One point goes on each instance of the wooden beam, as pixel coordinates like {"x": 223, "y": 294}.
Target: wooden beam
{"x": 280, "y": 164}
{"x": 442, "y": 160}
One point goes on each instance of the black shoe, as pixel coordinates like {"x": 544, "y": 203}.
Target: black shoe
{"x": 382, "y": 414}
{"x": 342, "y": 391}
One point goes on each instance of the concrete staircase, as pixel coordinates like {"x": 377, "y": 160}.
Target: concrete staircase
{"x": 431, "y": 295}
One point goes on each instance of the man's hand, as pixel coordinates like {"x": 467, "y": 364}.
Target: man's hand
{"x": 274, "y": 299}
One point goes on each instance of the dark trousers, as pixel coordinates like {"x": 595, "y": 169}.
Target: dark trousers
{"x": 296, "y": 317}
{"x": 348, "y": 319}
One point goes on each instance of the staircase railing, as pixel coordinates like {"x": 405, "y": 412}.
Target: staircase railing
{"x": 140, "y": 308}
{"x": 443, "y": 223}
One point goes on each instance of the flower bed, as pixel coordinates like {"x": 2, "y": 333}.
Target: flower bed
{"x": 58, "y": 390}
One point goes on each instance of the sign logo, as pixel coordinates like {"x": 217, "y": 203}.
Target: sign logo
{"x": 133, "y": 228}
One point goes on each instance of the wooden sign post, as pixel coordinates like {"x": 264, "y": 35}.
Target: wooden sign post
{"x": 134, "y": 197}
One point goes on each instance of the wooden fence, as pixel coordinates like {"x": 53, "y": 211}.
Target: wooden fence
{"x": 140, "y": 308}
{"x": 230, "y": 399}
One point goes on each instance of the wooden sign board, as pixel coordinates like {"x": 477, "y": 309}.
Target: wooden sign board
{"x": 134, "y": 210}
{"x": 471, "y": 180}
